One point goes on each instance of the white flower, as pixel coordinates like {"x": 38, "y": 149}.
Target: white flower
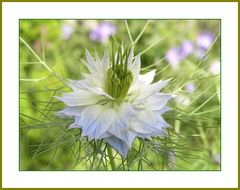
{"x": 114, "y": 102}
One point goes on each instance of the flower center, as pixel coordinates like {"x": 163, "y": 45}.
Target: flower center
{"x": 119, "y": 78}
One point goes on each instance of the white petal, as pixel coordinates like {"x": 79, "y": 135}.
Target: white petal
{"x": 97, "y": 57}
{"x": 88, "y": 116}
{"x": 147, "y": 91}
{"x": 157, "y": 101}
{"x": 82, "y": 84}
{"x": 125, "y": 135}
{"x": 139, "y": 127}
{"x": 79, "y": 98}
{"x": 70, "y": 111}
{"x": 75, "y": 124}
{"x": 125, "y": 113}
{"x": 105, "y": 61}
{"x": 135, "y": 68}
{"x": 104, "y": 121}
{"x": 98, "y": 91}
{"x": 96, "y": 66}
{"x": 148, "y": 122}
{"x": 120, "y": 125}
{"x": 90, "y": 67}
{"x": 96, "y": 120}
{"x": 105, "y": 135}
{"x": 135, "y": 89}
{"x": 76, "y": 84}
{"x": 91, "y": 62}
{"x": 118, "y": 145}
{"x": 156, "y": 87}
{"x": 162, "y": 124}
{"x": 95, "y": 80}
{"x": 130, "y": 57}
{"x": 148, "y": 77}
{"x": 164, "y": 109}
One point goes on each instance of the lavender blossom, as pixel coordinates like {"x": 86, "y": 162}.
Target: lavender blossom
{"x": 173, "y": 57}
{"x": 204, "y": 40}
{"x": 186, "y": 48}
{"x": 102, "y": 32}
{"x": 67, "y": 31}
{"x": 176, "y": 54}
{"x": 190, "y": 87}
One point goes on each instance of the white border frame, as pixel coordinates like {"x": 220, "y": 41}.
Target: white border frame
{"x": 227, "y": 12}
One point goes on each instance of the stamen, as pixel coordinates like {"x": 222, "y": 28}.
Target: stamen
{"x": 119, "y": 78}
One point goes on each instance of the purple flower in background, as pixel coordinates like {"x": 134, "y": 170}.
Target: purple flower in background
{"x": 190, "y": 87}
{"x": 199, "y": 48}
{"x": 102, "y": 32}
{"x": 176, "y": 54}
{"x": 173, "y": 57}
{"x": 205, "y": 40}
{"x": 186, "y": 48}
{"x": 67, "y": 31}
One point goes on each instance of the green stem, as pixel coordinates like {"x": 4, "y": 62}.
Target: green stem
{"x": 111, "y": 159}
{"x": 152, "y": 45}
{"x": 43, "y": 62}
{"x": 129, "y": 33}
{"x": 141, "y": 33}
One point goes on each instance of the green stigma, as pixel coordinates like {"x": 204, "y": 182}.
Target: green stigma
{"x": 119, "y": 78}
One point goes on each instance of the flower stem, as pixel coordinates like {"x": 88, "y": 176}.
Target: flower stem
{"x": 129, "y": 33}
{"x": 43, "y": 62}
{"x": 111, "y": 159}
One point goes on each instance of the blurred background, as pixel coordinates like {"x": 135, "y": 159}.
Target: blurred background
{"x": 186, "y": 50}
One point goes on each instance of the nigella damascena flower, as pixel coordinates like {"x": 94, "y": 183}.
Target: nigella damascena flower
{"x": 116, "y": 103}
